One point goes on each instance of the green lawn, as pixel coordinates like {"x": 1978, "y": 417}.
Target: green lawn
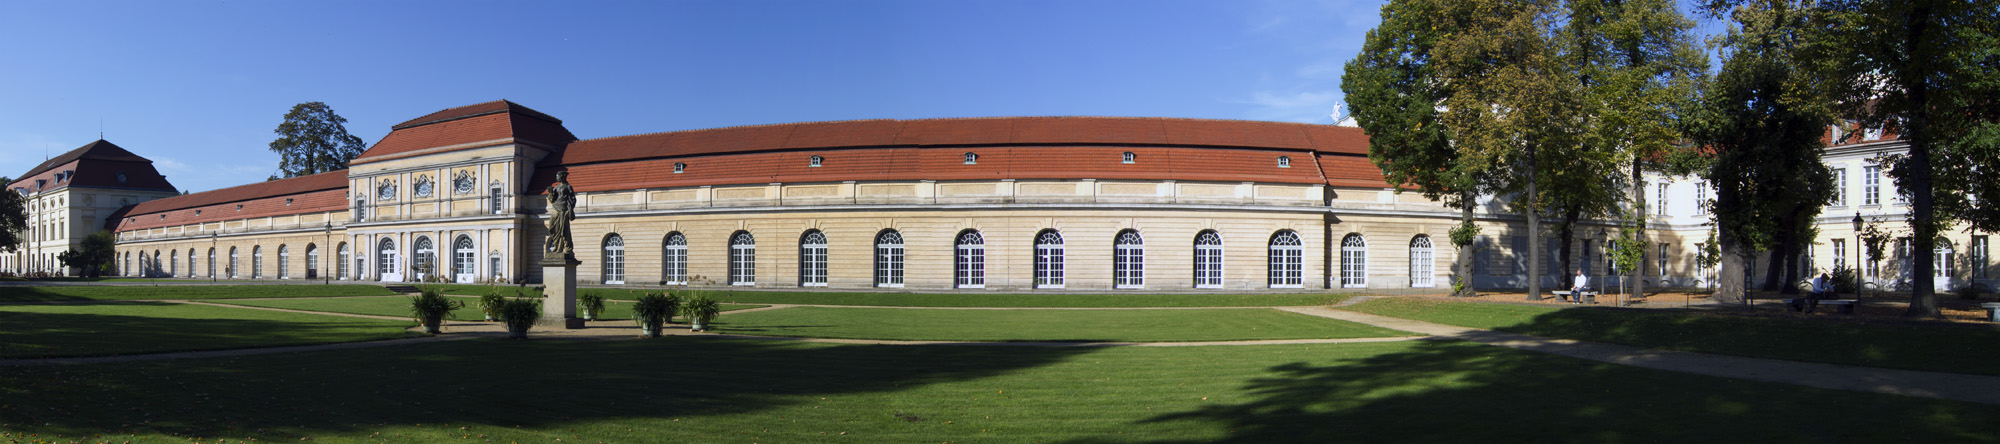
{"x": 133, "y": 292}
{"x": 1914, "y": 346}
{"x": 1044, "y": 325}
{"x": 680, "y": 389}
{"x": 109, "y": 328}
{"x": 965, "y": 299}
{"x": 400, "y": 306}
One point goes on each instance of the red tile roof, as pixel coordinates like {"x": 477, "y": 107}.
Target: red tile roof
{"x": 491, "y": 121}
{"x": 310, "y": 194}
{"x": 96, "y": 164}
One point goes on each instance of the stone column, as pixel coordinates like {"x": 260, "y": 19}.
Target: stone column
{"x": 559, "y": 285}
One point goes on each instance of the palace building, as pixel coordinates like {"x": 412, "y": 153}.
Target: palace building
{"x": 974, "y": 204}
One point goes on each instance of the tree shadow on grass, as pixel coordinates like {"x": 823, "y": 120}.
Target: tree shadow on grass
{"x": 30, "y": 334}
{"x": 535, "y": 384}
{"x": 1930, "y": 346}
{"x": 1449, "y": 391}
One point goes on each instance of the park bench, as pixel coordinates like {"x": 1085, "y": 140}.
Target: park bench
{"x": 1992, "y": 311}
{"x": 1588, "y": 297}
{"x": 1846, "y": 306}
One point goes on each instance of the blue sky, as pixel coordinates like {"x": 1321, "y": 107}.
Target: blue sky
{"x": 198, "y": 86}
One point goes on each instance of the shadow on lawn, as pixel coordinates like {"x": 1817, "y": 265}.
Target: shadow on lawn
{"x": 531, "y": 384}
{"x": 1458, "y": 391}
{"x": 1914, "y": 345}
{"x": 41, "y": 334}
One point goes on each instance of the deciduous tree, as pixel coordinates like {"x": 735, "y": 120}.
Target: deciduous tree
{"x": 93, "y": 255}
{"x": 313, "y": 140}
{"x": 13, "y": 218}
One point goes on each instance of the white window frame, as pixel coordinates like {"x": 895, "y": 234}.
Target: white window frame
{"x": 497, "y": 198}
{"x": 312, "y": 261}
{"x": 341, "y": 256}
{"x": 614, "y": 260}
{"x": 1840, "y": 187}
{"x": 742, "y": 259}
{"x": 971, "y": 159}
{"x": 464, "y": 259}
{"x": 1128, "y": 157}
{"x": 256, "y": 262}
{"x": 284, "y": 257}
{"x": 1871, "y": 185}
{"x": 1662, "y": 200}
{"x": 813, "y": 259}
{"x": 1049, "y": 259}
{"x": 1980, "y": 247}
{"x": 969, "y": 260}
{"x": 1423, "y": 262}
{"x": 889, "y": 249}
{"x": 673, "y": 263}
{"x": 1354, "y": 261}
{"x": 1128, "y": 267}
{"x": 1284, "y": 162}
{"x": 211, "y": 261}
{"x": 424, "y": 259}
{"x": 1287, "y": 260}
{"x": 385, "y": 260}
{"x": 1208, "y": 259}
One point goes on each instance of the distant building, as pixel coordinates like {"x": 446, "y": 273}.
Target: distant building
{"x": 73, "y": 195}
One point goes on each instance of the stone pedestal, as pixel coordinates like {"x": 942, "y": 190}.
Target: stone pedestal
{"x": 559, "y": 283}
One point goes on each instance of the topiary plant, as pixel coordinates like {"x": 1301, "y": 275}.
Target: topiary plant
{"x": 652, "y": 312}
{"x": 520, "y": 315}
{"x": 430, "y": 309}
{"x": 490, "y": 304}
{"x": 700, "y": 310}
{"x": 590, "y": 305}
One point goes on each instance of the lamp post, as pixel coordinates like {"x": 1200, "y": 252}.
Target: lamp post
{"x": 1605, "y": 243}
{"x": 211, "y": 257}
{"x": 1858, "y": 262}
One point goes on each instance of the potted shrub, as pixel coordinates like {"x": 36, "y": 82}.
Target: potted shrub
{"x": 652, "y": 312}
{"x": 430, "y": 309}
{"x": 700, "y": 310}
{"x": 520, "y": 314}
{"x": 590, "y": 305}
{"x": 490, "y": 305}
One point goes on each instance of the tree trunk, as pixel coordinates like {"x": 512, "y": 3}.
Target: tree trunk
{"x": 1923, "y": 295}
{"x": 1534, "y": 214}
{"x": 1791, "y": 271}
{"x": 1465, "y": 253}
{"x": 1562, "y": 254}
{"x": 1784, "y": 264}
{"x": 1774, "y": 267}
{"x": 1729, "y": 280}
{"x": 1639, "y": 226}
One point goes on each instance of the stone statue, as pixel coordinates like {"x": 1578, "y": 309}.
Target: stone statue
{"x": 562, "y": 209}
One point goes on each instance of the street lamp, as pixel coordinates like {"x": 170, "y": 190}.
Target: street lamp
{"x": 1858, "y": 261}
{"x": 1605, "y": 244}
{"x": 211, "y": 256}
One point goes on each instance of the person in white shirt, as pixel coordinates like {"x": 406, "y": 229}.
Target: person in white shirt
{"x": 1576, "y": 289}
{"x": 1822, "y": 288}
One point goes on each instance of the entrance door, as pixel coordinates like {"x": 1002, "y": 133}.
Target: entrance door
{"x": 387, "y": 268}
{"x": 464, "y": 260}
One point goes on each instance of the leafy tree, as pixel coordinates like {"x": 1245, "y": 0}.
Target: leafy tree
{"x": 1927, "y": 70}
{"x": 95, "y": 255}
{"x": 313, "y": 140}
{"x": 13, "y": 218}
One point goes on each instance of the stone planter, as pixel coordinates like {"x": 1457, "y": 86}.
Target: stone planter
{"x": 433, "y": 326}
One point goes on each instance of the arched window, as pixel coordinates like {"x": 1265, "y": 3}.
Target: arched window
{"x": 169, "y": 259}
{"x": 211, "y": 262}
{"x": 124, "y": 263}
{"x": 1287, "y": 258}
{"x": 812, "y": 259}
{"x": 674, "y": 259}
{"x": 1207, "y": 259}
{"x": 614, "y": 259}
{"x": 742, "y": 259}
{"x": 1128, "y": 267}
{"x": 234, "y": 271}
{"x": 1048, "y": 259}
{"x": 312, "y": 261}
{"x": 970, "y": 257}
{"x": 340, "y": 258}
{"x": 191, "y": 263}
{"x": 1354, "y": 262}
{"x": 889, "y": 259}
{"x": 426, "y": 260}
{"x": 257, "y": 262}
{"x": 284, "y": 256}
{"x": 1129, "y": 157}
{"x": 1423, "y": 268}
{"x": 464, "y": 258}
{"x": 971, "y": 159}
{"x": 385, "y": 258}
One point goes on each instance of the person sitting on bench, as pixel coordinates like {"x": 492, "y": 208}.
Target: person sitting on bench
{"x": 1576, "y": 290}
{"x": 1822, "y": 288}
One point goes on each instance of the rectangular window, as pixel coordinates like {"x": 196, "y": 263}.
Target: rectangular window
{"x": 1839, "y": 254}
{"x": 1662, "y": 200}
{"x": 495, "y": 200}
{"x": 1663, "y": 262}
{"x": 1840, "y": 187}
{"x": 1871, "y": 185}
{"x": 1701, "y": 198}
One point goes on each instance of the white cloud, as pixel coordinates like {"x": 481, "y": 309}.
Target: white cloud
{"x": 1302, "y": 106}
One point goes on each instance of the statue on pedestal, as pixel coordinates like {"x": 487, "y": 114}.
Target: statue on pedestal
{"x": 562, "y": 209}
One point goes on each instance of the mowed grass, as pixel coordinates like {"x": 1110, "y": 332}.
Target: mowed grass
{"x": 1179, "y": 325}
{"x": 692, "y": 389}
{"x": 1956, "y": 348}
{"x": 134, "y": 292}
{"x": 965, "y": 299}
{"x": 110, "y": 328}
{"x": 400, "y": 306}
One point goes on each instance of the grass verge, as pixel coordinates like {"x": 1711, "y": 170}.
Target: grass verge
{"x": 126, "y": 292}
{"x": 720, "y": 390}
{"x": 1045, "y": 325}
{"x": 1913, "y": 346}
{"x": 967, "y": 299}
{"x": 400, "y": 306}
{"x": 112, "y": 328}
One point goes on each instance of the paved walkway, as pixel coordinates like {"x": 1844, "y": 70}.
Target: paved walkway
{"x": 1960, "y": 387}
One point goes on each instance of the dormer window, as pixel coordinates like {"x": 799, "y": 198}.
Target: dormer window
{"x": 1129, "y": 157}
{"x": 163, "y": 217}
{"x": 1872, "y": 134}
{"x": 239, "y": 207}
{"x": 680, "y": 167}
{"x": 971, "y": 159}
{"x": 1284, "y": 162}
{"x": 816, "y": 161}
{"x": 288, "y": 202}
{"x": 197, "y": 212}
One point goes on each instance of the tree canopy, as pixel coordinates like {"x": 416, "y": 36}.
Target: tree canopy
{"x": 94, "y": 255}
{"x": 313, "y": 140}
{"x": 13, "y": 218}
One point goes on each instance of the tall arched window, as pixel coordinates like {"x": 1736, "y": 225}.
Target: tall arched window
{"x": 1287, "y": 260}
{"x": 211, "y": 262}
{"x": 124, "y": 264}
{"x": 1354, "y": 262}
{"x": 257, "y": 262}
{"x": 284, "y": 256}
{"x": 970, "y": 259}
{"x": 191, "y": 264}
{"x": 169, "y": 259}
{"x": 614, "y": 259}
{"x": 340, "y": 258}
{"x": 674, "y": 259}
{"x": 1128, "y": 267}
{"x": 464, "y": 258}
{"x": 234, "y": 271}
{"x": 1048, "y": 259}
{"x": 742, "y": 259}
{"x": 312, "y": 261}
{"x": 1423, "y": 269}
{"x": 812, "y": 259}
{"x": 1207, "y": 259}
{"x": 426, "y": 260}
{"x": 889, "y": 259}
{"x": 385, "y": 259}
